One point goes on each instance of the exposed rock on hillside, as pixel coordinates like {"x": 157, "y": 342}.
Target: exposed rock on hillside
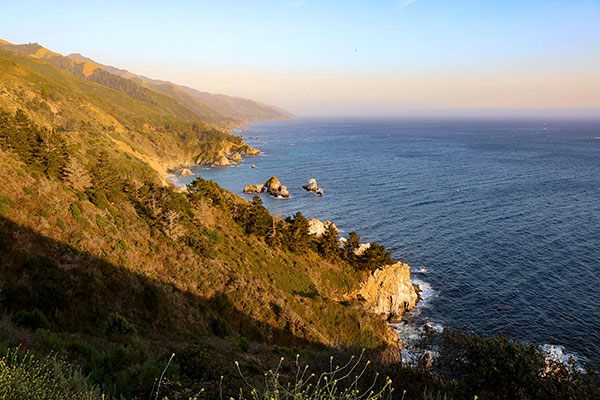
{"x": 312, "y": 186}
{"x": 220, "y": 161}
{"x": 317, "y": 228}
{"x": 271, "y": 186}
{"x": 361, "y": 248}
{"x": 388, "y": 292}
{"x": 235, "y": 157}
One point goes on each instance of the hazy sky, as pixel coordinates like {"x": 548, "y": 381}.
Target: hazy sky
{"x": 339, "y": 57}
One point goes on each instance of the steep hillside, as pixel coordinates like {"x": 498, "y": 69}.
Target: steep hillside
{"x": 101, "y": 258}
{"x": 155, "y": 129}
{"x": 236, "y": 108}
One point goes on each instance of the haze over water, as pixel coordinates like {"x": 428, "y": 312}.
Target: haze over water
{"x": 500, "y": 218}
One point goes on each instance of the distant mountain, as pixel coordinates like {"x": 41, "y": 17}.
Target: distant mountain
{"x": 234, "y": 107}
{"x": 217, "y": 109}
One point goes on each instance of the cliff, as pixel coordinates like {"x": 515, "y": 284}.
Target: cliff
{"x": 388, "y": 292}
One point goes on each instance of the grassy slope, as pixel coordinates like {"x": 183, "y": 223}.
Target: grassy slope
{"x": 242, "y": 279}
{"x": 97, "y": 116}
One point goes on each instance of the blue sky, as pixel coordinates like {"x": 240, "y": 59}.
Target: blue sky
{"x": 339, "y": 57}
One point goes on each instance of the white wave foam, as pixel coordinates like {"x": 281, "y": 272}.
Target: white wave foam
{"x": 427, "y": 292}
{"x": 436, "y": 326}
{"x": 423, "y": 270}
{"x": 558, "y": 352}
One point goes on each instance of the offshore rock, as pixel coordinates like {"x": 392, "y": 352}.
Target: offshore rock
{"x": 275, "y": 188}
{"x": 271, "y": 186}
{"x": 312, "y": 186}
{"x": 186, "y": 172}
{"x": 388, "y": 292}
{"x": 254, "y": 188}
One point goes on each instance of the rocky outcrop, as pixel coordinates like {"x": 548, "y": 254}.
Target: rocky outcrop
{"x": 235, "y": 157}
{"x": 250, "y": 151}
{"x": 229, "y": 153}
{"x": 275, "y": 188}
{"x": 271, "y": 186}
{"x": 221, "y": 161}
{"x": 362, "y": 248}
{"x": 388, "y": 292}
{"x": 312, "y": 186}
{"x": 186, "y": 172}
{"x": 254, "y": 188}
{"x": 317, "y": 228}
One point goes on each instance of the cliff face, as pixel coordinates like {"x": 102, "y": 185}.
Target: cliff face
{"x": 388, "y": 292}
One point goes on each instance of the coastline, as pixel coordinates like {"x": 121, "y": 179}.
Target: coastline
{"x": 390, "y": 304}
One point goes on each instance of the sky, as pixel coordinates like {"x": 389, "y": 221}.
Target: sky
{"x": 355, "y": 58}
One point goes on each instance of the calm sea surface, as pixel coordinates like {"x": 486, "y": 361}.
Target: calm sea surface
{"x": 499, "y": 220}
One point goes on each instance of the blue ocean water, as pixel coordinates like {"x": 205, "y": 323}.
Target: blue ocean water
{"x": 499, "y": 220}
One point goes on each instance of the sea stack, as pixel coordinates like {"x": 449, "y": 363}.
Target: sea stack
{"x": 186, "y": 172}
{"x": 275, "y": 188}
{"x": 271, "y": 186}
{"x": 311, "y": 186}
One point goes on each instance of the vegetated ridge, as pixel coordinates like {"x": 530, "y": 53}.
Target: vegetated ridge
{"x": 112, "y": 272}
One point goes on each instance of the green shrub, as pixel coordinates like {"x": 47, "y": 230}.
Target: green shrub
{"x": 31, "y": 319}
{"x": 22, "y": 376}
{"x": 116, "y": 324}
{"x": 5, "y": 204}
{"x": 221, "y": 327}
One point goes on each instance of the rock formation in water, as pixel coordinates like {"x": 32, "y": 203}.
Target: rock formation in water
{"x": 220, "y": 161}
{"x": 311, "y": 186}
{"x": 254, "y": 188}
{"x": 186, "y": 172}
{"x": 388, "y": 292}
{"x": 275, "y": 188}
{"x": 271, "y": 186}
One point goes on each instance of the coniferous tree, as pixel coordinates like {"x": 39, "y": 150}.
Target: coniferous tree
{"x": 104, "y": 175}
{"x": 76, "y": 175}
{"x": 296, "y": 232}
{"x": 375, "y": 256}
{"x": 328, "y": 243}
{"x": 258, "y": 220}
{"x": 351, "y": 245}
{"x": 172, "y": 224}
{"x": 51, "y": 153}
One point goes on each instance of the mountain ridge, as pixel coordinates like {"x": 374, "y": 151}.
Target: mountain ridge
{"x": 225, "y": 104}
{"x": 221, "y": 110}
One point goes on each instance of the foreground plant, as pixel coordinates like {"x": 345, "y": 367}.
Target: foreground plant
{"x": 22, "y": 376}
{"x": 340, "y": 382}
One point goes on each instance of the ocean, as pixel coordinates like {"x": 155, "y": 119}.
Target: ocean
{"x": 498, "y": 219}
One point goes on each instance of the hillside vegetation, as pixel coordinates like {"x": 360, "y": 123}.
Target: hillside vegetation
{"x": 112, "y": 282}
{"x": 220, "y": 110}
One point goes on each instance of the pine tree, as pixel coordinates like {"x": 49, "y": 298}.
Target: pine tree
{"x": 351, "y": 245}
{"x": 76, "y": 175}
{"x": 105, "y": 176}
{"x": 172, "y": 224}
{"x": 328, "y": 244}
